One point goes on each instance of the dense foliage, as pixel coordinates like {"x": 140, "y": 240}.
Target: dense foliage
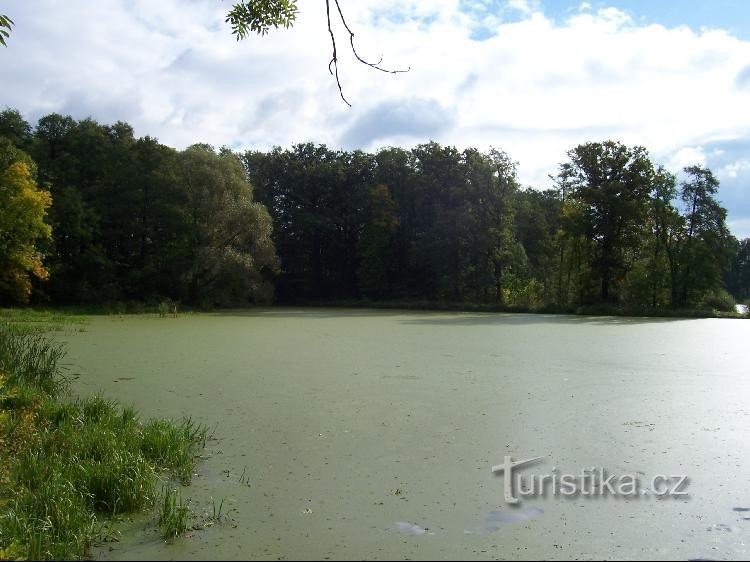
{"x": 437, "y": 224}
{"x": 134, "y": 220}
{"x": 22, "y": 223}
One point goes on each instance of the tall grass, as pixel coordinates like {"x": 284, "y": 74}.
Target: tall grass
{"x": 66, "y": 466}
{"x": 30, "y": 357}
{"x": 174, "y": 514}
{"x": 164, "y": 441}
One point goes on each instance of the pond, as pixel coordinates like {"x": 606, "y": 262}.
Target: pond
{"x": 355, "y": 434}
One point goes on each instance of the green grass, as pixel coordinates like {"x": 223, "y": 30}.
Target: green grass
{"x": 30, "y": 358}
{"x": 67, "y": 467}
{"x": 174, "y": 514}
{"x": 42, "y": 319}
{"x": 164, "y": 444}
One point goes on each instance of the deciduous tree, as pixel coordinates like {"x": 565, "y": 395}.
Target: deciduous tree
{"x": 612, "y": 182}
{"x": 23, "y": 206}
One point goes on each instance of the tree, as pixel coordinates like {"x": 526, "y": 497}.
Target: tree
{"x": 493, "y": 264}
{"x": 74, "y": 161}
{"x": 231, "y": 248}
{"x": 612, "y": 183}
{"x": 652, "y": 281}
{"x": 15, "y": 128}
{"x": 317, "y": 198}
{"x": 258, "y": 16}
{"x": 22, "y": 226}
{"x": 705, "y": 249}
{"x": 738, "y": 276}
{"x": 136, "y": 221}
{"x": 537, "y": 215}
{"x": 376, "y": 246}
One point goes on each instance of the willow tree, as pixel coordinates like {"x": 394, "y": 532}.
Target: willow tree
{"x": 232, "y": 253}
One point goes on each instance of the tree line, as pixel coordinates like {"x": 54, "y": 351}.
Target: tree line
{"x": 131, "y": 219}
{"x": 102, "y": 216}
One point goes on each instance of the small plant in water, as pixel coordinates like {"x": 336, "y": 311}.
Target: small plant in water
{"x": 217, "y": 512}
{"x": 173, "y": 515}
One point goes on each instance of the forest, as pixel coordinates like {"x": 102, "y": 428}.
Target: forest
{"x": 91, "y": 215}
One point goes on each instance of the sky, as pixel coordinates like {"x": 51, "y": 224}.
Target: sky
{"x": 532, "y": 77}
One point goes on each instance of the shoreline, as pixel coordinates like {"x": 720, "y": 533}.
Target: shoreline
{"x": 136, "y": 308}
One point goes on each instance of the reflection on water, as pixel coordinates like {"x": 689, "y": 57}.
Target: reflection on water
{"x": 495, "y": 519}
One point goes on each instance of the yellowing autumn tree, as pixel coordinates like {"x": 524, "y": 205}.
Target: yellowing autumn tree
{"x": 23, "y": 206}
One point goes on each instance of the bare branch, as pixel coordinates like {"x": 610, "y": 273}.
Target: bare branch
{"x": 259, "y": 16}
{"x": 333, "y": 65}
{"x": 375, "y": 65}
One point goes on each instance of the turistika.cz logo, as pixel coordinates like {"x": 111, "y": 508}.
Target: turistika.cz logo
{"x": 589, "y": 483}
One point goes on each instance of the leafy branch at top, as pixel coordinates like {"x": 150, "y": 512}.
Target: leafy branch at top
{"x": 5, "y": 26}
{"x": 258, "y": 16}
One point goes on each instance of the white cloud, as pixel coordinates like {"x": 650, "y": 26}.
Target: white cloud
{"x": 734, "y": 170}
{"x": 686, "y": 156}
{"x": 740, "y": 227}
{"x": 534, "y": 86}
{"x": 525, "y": 7}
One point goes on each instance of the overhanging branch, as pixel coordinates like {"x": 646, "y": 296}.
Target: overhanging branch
{"x": 333, "y": 64}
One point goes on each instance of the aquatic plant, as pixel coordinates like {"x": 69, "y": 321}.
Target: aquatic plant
{"x": 67, "y": 466}
{"x": 174, "y": 514}
{"x": 30, "y": 357}
{"x": 166, "y": 444}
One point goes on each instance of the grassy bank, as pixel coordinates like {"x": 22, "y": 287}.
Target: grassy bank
{"x": 68, "y": 466}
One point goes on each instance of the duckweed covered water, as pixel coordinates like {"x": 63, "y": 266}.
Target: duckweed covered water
{"x": 371, "y": 434}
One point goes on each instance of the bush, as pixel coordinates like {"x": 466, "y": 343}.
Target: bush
{"x": 167, "y": 307}
{"x": 719, "y": 300}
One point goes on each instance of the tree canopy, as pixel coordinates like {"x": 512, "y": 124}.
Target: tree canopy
{"x": 133, "y": 220}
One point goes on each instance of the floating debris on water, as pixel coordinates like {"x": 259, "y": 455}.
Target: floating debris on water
{"x": 411, "y": 529}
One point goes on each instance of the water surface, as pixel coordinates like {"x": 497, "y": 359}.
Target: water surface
{"x": 360, "y": 434}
